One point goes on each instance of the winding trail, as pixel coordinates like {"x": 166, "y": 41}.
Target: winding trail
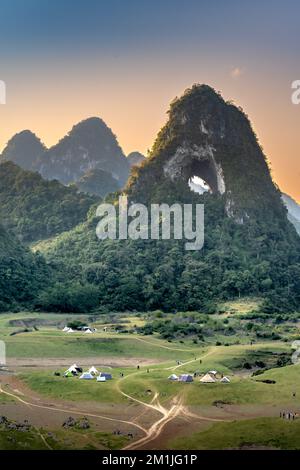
{"x": 177, "y": 408}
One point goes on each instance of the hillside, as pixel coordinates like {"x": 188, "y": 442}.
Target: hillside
{"x": 24, "y": 149}
{"x": 35, "y": 209}
{"x": 22, "y": 274}
{"x": 98, "y": 183}
{"x": 89, "y": 145}
{"x": 250, "y": 247}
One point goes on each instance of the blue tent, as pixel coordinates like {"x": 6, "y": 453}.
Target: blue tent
{"x": 106, "y": 375}
{"x": 186, "y": 378}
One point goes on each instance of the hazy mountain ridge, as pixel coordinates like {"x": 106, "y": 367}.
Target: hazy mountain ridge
{"x": 136, "y": 158}
{"x": 89, "y": 145}
{"x": 293, "y": 211}
{"x": 23, "y": 149}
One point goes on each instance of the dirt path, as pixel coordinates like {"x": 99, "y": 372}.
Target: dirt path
{"x": 71, "y": 411}
{"x": 177, "y": 408}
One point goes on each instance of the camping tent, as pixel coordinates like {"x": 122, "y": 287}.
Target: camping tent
{"x": 88, "y": 331}
{"x": 225, "y": 380}
{"x": 101, "y": 379}
{"x": 106, "y": 375}
{"x": 71, "y": 371}
{"x": 66, "y": 328}
{"x": 207, "y": 379}
{"x": 93, "y": 370}
{"x": 70, "y": 330}
{"x": 173, "y": 377}
{"x": 185, "y": 378}
{"x": 68, "y": 373}
{"x": 212, "y": 372}
{"x": 86, "y": 376}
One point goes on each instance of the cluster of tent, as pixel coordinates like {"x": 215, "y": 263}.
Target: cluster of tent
{"x": 91, "y": 374}
{"x": 85, "y": 329}
{"x": 209, "y": 377}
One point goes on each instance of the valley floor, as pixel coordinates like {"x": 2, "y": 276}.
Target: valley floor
{"x": 140, "y": 408}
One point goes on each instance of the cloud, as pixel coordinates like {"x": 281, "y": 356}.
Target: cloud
{"x": 236, "y": 73}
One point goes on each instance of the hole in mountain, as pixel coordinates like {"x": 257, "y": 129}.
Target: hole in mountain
{"x": 198, "y": 185}
{"x": 202, "y": 177}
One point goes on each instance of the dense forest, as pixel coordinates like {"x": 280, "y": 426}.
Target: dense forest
{"x": 35, "y": 209}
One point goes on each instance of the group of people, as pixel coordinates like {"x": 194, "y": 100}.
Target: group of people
{"x": 290, "y": 415}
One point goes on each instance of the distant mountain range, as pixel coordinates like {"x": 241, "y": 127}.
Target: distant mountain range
{"x": 89, "y": 146}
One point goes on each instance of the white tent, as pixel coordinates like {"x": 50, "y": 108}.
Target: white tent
{"x": 70, "y": 330}
{"x": 66, "y": 328}
{"x": 88, "y": 331}
{"x": 86, "y": 376}
{"x": 207, "y": 379}
{"x": 212, "y": 372}
{"x": 93, "y": 370}
{"x": 225, "y": 380}
{"x": 101, "y": 378}
{"x": 73, "y": 368}
{"x": 173, "y": 377}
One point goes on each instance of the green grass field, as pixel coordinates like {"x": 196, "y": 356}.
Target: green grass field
{"x": 244, "y": 391}
{"x": 273, "y": 433}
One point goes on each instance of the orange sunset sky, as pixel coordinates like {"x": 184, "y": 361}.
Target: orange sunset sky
{"x": 58, "y": 72}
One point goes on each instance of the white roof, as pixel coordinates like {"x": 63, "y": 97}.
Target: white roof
{"x": 213, "y": 372}
{"x": 207, "y": 378}
{"x": 101, "y": 378}
{"x": 87, "y": 376}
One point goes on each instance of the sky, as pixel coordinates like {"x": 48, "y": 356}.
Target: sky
{"x": 125, "y": 60}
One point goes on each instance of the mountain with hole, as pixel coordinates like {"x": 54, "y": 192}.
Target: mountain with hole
{"x": 208, "y": 145}
{"x": 207, "y": 153}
